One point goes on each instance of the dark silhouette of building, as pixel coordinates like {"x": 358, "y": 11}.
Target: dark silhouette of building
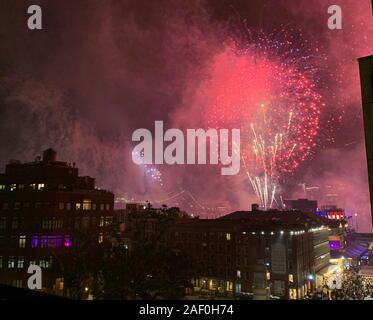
{"x": 44, "y": 204}
{"x": 366, "y": 77}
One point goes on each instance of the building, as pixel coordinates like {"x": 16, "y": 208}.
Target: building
{"x": 366, "y": 77}
{"x": 256, "y": 254}
{"x": 303, "y": 205}
{"x": 43, "y": 206}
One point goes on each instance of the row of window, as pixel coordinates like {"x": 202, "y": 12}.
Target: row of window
{"x": 19, "y": 263}
{"x": 22, "y": 187}
{"x": 85, "y": 205}
{"x": 52, "y": 223}
{"x": 44, "y": 241}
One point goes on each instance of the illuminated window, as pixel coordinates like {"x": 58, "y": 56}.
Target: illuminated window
{"x": 61, "y": 206}
{"x": 20, "y": 263}
{"x": 41, "y": 186}
{"x": 78, "y": 206}
{"x": 87, "y": 204}
{"x": 228, "y": 236}
{"x": 108, "y": 220}
{"x": 22, "y": 241}
{"x": 13, "y": 187}
{"x": 17, "y": 283}
{"x": 102, "y": 207}
{"x": 33, "y": 186}
{"x": 102, "y": 221}
{"x": 101, "y": 238}
{"x": 291, "y": 278}
{"x": 238, "y": 274}
{"x": 268, "y": 275}
{"x": 2, "y": 187}
{"x": 11, "y": 263}
{"x": 21, "y": 187}
{"x": 293, "y": 294}
{"x": 34, "y": 241}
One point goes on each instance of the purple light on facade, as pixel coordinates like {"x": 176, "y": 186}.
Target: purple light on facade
{"x": 34, "y": 241}
{"x": 334, "y": 244}
{"x": 67, "y": 242}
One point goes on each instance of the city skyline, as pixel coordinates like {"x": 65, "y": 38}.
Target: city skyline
{"x": 83, "y": 87}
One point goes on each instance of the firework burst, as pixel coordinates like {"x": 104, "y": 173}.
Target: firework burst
{"x": 270, "y": 94}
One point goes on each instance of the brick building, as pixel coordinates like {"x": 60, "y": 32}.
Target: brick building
{"x": 43, "y": 205}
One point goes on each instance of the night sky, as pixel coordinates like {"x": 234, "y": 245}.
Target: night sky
{"x": 101, "y": 69}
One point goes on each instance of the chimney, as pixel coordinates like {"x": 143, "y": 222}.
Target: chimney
{"x": 49, "y": 155}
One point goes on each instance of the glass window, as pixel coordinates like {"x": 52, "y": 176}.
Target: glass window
{"x": 68, "y": 206}
{"x": 34, "y": 241}
{"x": 228, "y": 236}
{"x": 33, "y": 186}
{"x": 2, "y": 187}
{"x": 61, "y": 205}
{"x": 21, "y": 262}
{"x": 102, "y": 206}
{"x": 78, "y": 206}
{"x": 87, "y": 204}
{"x": 67, "y": 242}
{"x": 41, "y": 186}
{"x": 17, "y": 205}
{"x": 102, "y": 221}
{"x": 21, "y": 187}
{"x": 2, "y": 223}
{"x": 22, "y": 241}
{"x": 85, "y": 222}
{"x": 107, "y": 206}
{"x": 11, "y": 263}
{"x": 15, "y": 223}
{"x": 101, "y": 238}
{"x": 13, "y": 187}
{"x": 93, "y": 206}
{"x": 17, "y": 283}
{"x": 5, "y": 206}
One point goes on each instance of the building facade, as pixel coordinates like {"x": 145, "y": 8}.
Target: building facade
{"x": 44, "y": 205}
{"x": 366, "y": 77}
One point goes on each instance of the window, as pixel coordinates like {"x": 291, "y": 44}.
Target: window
{"x": 228, "y": 236}
{"x": 17, "y": 283}
{"x": 93, "y": 206}
{"x": 41, "y": 186}
{"x": 61, "y": 206}
{"x": 108, "y": 220}
{"x": 87, "y": 204}
{"x": 21, "y": 262}
{"x": 107, "y": 206}
{"x": 85, "y": 222}
{"x": 33, "y": 186}
{"x": 17, "y": 205}
{"x": 291, "y": 278}
{"x": 102, "y": 206}
{"x": 26, "y": 204}
{"x": 5, "y": 206}
{"x": 78, "y": 206}
{"x": 2, "y": 187}
{"x": 11, "y": 263}
{"x": 102, "y": 221}
{"x": 44, "y": 263}
{"x": 68, "y": 206}
{"x": 22, "y": 241}
{"x": 34, "y": 241}
{"x": 67, "y": 242}
{"x": 15, "y": 223}
{"x": 2, "y": 223}
{"x": 21, "y": 187}
{"x": 13, "y": 187}
{"x": 101, "y": 237}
